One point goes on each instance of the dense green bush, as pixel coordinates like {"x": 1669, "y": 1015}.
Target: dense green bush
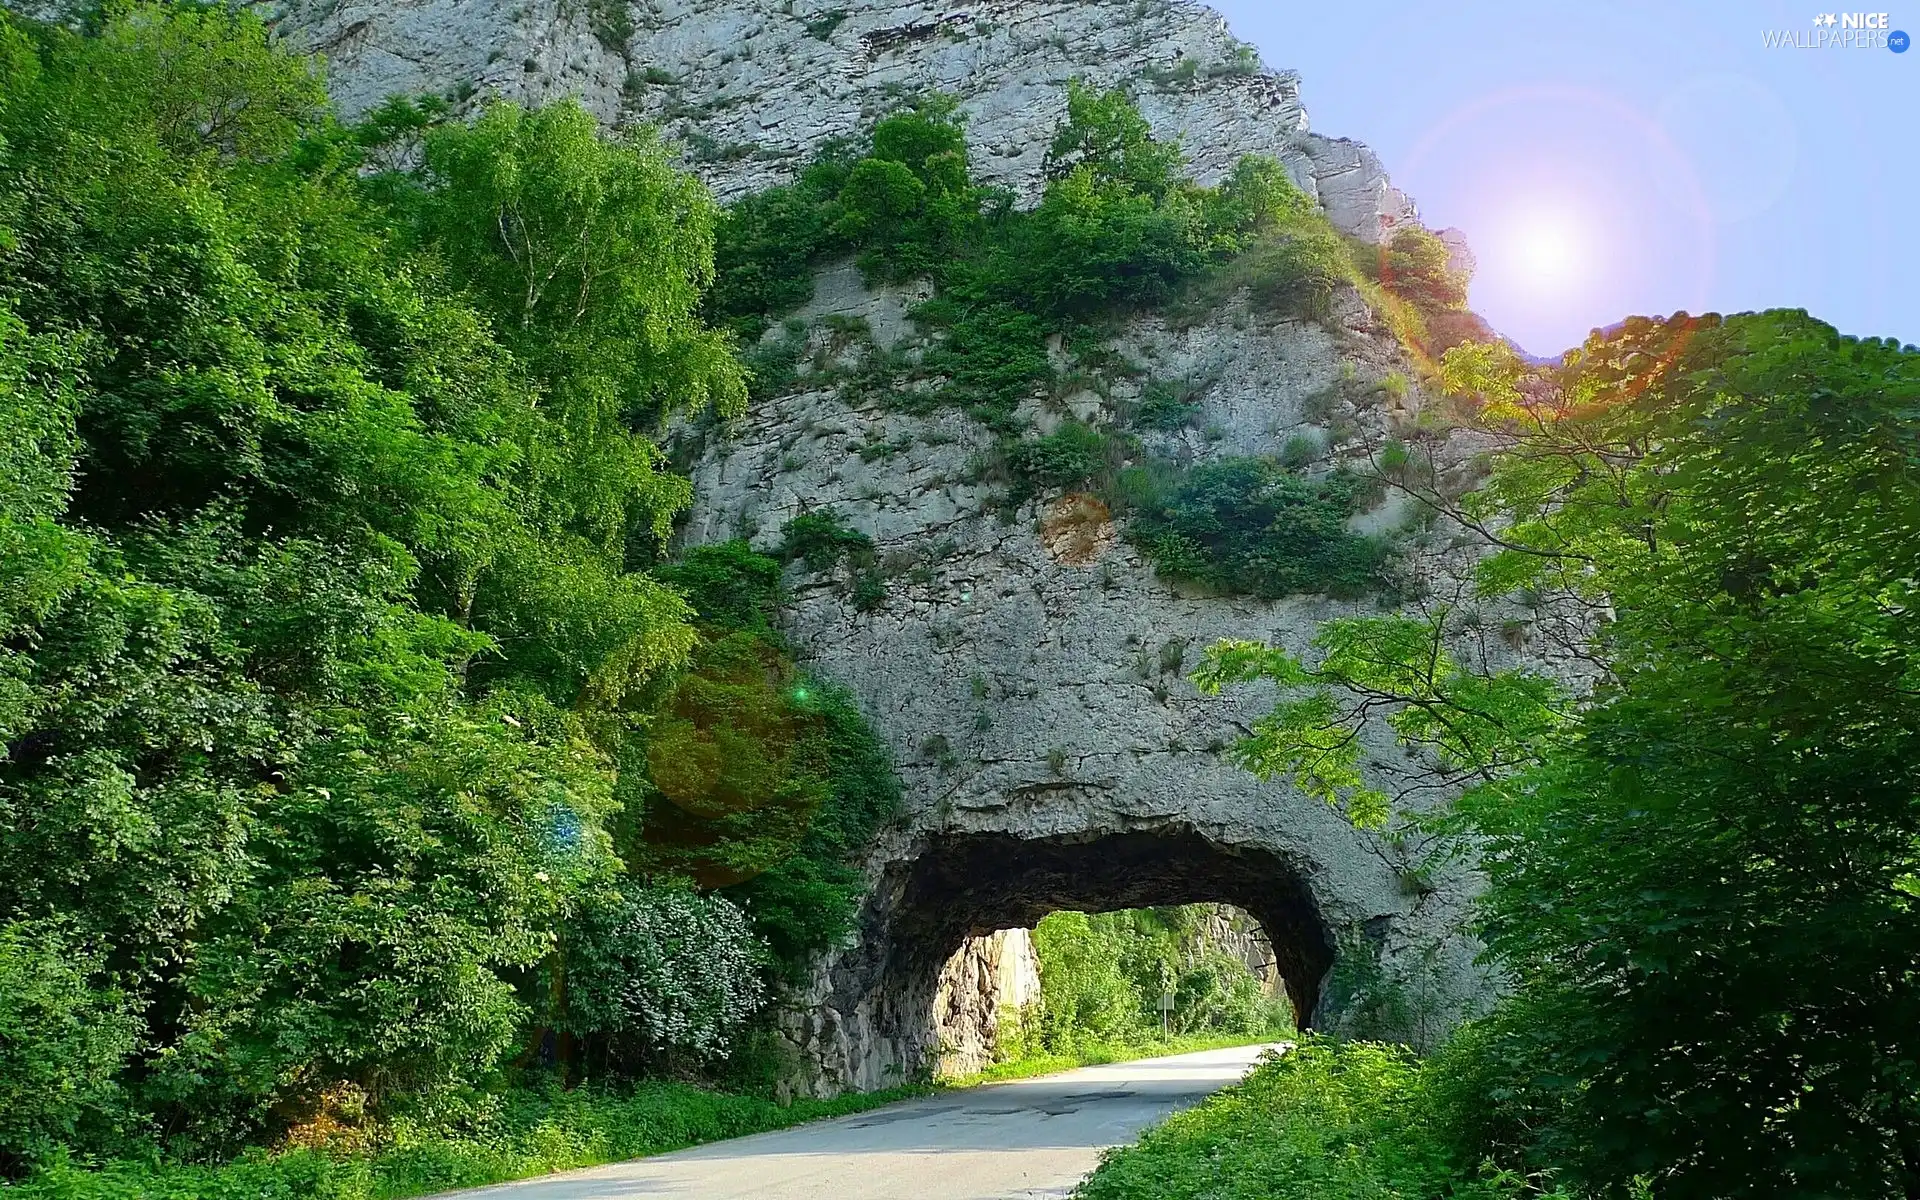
{"x": 1324, "y": 1121}
{"x": 659, "y": 971}
{"x": 766, "y": 244}
{"x": 1247, "y": 525}
{"x": 822, "y": 539}
{"x": 912, "y": 203}
{"x": 63, "y": 1040}
{"x": 1071, "y": 457}
{"x": 1416, "y": 266}
{"x": 1102, "y": 977}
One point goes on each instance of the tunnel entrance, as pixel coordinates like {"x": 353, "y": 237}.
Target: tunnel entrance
{"x": 962, "y": 886}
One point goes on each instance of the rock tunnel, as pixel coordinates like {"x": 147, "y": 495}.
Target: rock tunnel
{"x": 882, "y": 993}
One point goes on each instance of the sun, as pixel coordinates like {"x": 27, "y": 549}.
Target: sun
{"x": 1550, "y": 250}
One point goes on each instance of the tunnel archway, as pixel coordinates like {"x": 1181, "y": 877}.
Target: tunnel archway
{"x": 969, "y": 885}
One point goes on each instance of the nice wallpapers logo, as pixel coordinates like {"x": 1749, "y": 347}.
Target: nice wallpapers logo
{"x": 1842, "y": 31}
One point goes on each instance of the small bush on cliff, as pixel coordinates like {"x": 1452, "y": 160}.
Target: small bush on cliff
{"x": 1252, "y": 526}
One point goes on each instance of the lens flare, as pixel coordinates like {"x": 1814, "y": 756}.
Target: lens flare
{"x": 1549, "y": 251}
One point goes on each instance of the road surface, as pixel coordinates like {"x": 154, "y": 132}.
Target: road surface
{"x": 1021, "y": 1140}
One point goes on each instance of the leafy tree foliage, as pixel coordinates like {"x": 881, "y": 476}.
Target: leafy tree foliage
{"x": 327, "y": 665}
{"x": 1418, "y": 267}
{"x": 912, "y": 202}
{"x": 63, "y": 1040}
{"x": 1703, "y": 876}
{"x": 761, "y": 781}
{"x": 1102, "y": 977}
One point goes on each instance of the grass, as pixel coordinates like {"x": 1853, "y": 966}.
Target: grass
{"x": 1326, "y": 1121}
{"x": 1095, "y": 1054}
{"x": 523, "y": 1134}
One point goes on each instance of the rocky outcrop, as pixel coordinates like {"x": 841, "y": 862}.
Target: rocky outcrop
{"x": 989, "y": 980}
{"x": 1028, "y": 670}
{"x": 1033, "y": 684}
{"x": 1239, "y": 935}
{"x": 750, "y": 88}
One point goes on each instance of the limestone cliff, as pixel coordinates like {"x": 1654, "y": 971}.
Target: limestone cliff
{"x": 1028, "y": 673}
{"x": 751, "y": 87}
{"x": 988, "y": 980}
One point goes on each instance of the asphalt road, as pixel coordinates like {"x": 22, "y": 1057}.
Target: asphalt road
{"x": 1021, "y": 1140}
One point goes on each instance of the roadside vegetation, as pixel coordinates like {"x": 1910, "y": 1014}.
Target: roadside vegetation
{"x": 1323, "y": 1121}
{"x": 385, "y": 808}
{"x": 1702, "y": 870}
{"x": 512, "y": 1134}
{"x": 371, "y": 775}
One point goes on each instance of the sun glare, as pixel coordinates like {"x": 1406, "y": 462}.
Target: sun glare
{"x": 1549, "y": 251}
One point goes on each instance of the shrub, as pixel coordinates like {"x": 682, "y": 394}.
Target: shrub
{"x": 1301, "y": 449}
{"x": 765, "y": 245}
{"x": 665, "y": 970}
{"x": 1414, "y": 265}
{"x": 1324, "y": 1121}
{"x": 869, "y": 590}
{"x": 1245, "y": 525}
{"x": 63, "y": 1041}
{"x": 822, "y": 540}
{"x": 809, "y": 900}
{"x": 1167, "y": 405}
{"x": 1070, "y": 457}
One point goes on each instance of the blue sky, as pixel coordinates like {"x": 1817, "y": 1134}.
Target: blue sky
{"x": 1609, "y": 157}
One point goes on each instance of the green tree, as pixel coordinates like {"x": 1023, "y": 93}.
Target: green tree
{"x": 1105, "y": 136}
{"x": 1703, "y": 877}
{"x": 320, "y": 634}
{"x": 911, "y": 202}
{"x": 590, "y": 256}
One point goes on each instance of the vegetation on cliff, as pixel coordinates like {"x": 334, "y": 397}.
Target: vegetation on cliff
{"x": 1120, "y": 227}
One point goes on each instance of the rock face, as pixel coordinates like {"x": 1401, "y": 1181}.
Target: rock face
{"x": 988, "y": 980}
{"x": 750, "y": 88}
{"x": 1029, "y": 673}
{"x": 1241, "y": 936}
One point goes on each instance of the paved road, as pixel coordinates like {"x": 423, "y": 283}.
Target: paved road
{"x": 1023, "y": 1140}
